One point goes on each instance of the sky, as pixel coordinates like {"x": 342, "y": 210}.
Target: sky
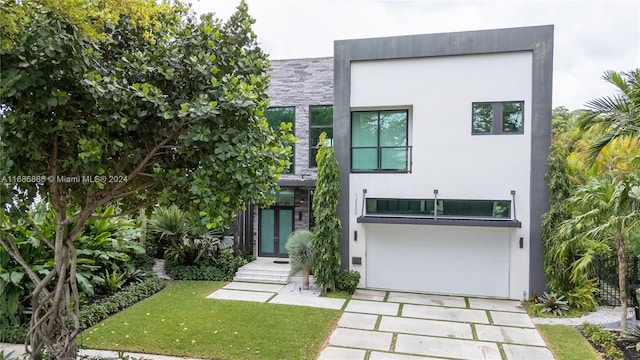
{"x": 591, "y": 37}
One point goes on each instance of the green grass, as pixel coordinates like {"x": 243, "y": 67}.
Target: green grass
{"x": 180, "y": 321}
{"x": 338, "y": 294}
{"x": 566, "y": 343}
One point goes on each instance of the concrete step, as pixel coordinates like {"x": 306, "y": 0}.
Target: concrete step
{"x": 251, "y": 272}
{"x": 265, "y": 279}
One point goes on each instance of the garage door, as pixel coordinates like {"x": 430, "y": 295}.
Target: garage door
{"x": 438, "y": 259}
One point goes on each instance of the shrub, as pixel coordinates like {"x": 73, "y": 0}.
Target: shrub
{"x": 222, "y": 268}
{"x": 348, "y": 280}
{"x": 602, "y": 338}
{"x": 96, "y": 312}
{"x": 582, "y": 296}
{"x": 553, "y": 304}
{"x": 14, "y": 334}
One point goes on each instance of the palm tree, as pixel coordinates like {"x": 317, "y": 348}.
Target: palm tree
{"x": 615, "y": 116}
{"x": 300, "y": 254}
{"x": 605, "y": 209}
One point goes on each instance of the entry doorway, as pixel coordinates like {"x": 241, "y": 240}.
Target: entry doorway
{"x": 276, "y": 224}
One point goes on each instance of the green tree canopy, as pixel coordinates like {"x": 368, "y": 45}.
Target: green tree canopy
{"x": 127, "y": 101}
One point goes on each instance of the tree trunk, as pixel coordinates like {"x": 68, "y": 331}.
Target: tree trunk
{"x": 622, "y": 279}
{"x": 305, "y": 277}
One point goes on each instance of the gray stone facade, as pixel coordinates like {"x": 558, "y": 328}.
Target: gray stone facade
{"x": 300, "y": 83}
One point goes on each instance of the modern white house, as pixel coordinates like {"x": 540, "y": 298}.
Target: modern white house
{"x": 441, "y": 140}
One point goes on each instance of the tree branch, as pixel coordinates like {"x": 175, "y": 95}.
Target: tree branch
{"x": 40, "y": 234}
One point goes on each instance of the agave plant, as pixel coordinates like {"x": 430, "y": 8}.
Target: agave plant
{"x": 633, "y": 337}
{"x": 300, "y": 255}
{"x": 553, "y": 304}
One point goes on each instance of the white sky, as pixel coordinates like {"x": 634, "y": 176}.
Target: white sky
{"x": 590, "y": 36}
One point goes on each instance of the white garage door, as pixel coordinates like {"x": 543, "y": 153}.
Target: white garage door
{"x": 438, "y": 259}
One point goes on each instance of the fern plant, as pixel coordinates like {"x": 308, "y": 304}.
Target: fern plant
{"x": 553, "y": 304}
{"x": 300, "y": 254}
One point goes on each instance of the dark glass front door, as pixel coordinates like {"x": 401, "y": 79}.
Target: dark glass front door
{"x": 276, "y": 224}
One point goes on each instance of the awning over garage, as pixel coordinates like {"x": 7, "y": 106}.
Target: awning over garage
{"x": 377, "y": 219}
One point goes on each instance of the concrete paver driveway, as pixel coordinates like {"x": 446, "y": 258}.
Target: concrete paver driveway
{"x": 393, "y": 325}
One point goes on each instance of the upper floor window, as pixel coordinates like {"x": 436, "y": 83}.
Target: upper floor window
{"x": 321, "y": 120}
{"x": 277, "y": 115}
{"x": 379, "y": 141}
{"x": 498, "y": 118}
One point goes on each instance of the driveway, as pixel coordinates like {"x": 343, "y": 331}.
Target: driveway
{"x": 380, "y": 325}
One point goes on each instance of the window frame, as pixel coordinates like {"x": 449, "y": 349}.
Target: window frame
{"x": 292, "y": 169}
{"x": 497, "y": 128}
{"x": 312, "y": 164}
{"x": 379, "y": 169}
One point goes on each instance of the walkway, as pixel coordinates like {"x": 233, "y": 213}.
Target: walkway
{"x": 275, "y": 294}
{"x": 158, "y": 269}
{"x": 379, "y": 325}
{"x": 393, "y": 325}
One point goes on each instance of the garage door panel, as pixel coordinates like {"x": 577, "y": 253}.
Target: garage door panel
{"x": 451, "y": 260}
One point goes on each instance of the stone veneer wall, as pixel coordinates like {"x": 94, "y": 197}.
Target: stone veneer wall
{"x": 300, "y": 83}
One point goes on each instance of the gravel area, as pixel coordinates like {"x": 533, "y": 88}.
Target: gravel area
{"x": 294, "y": 287}
{"x": 607, "y": 316}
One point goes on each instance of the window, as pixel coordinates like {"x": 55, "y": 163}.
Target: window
{"x": 379, "y": 141}
{"x": 498, "y": 118}
{"x": 463, "y": 209}
{"x": 278, "y": 115}
{"x": 321, "y": 120}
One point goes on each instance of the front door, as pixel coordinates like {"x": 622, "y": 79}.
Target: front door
{"x": 276, "y": 224}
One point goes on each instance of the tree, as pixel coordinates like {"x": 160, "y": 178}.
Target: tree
{"x": 618, "y": 115}
{"x": 605, "y": 209}
{"x": 326, "y": 232}
{"x": 143, "y": 105}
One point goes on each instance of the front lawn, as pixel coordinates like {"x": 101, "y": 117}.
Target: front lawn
{"x": 566, "y": 343}
{"x": 180, "y": 321}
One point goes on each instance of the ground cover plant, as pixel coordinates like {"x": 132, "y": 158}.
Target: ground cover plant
{"x": 180, "y": 321}
{"x": 566, "y": 343}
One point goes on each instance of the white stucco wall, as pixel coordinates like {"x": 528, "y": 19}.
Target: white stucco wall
{"x": 439, "y": 93}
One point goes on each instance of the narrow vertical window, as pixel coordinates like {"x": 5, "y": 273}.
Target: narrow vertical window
{"x": 278, "y": 115}
{"x": 321, "y": 120}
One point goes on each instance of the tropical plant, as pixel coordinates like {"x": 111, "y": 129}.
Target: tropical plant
{"x": 632, "y": 336}
{"x": 131, "y": 101}
{"x": 300, "y": 254}
{"x": 326, "y": 232}
{"x": 553, "y": 304}
{"x": 171, "y": 225}
{"x": 604, "y": 210}
{"x": 615, "y": 116}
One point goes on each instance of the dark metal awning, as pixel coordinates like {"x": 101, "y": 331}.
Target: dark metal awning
{"x": 306, "y": 183}
{"x": 378, "y": 219}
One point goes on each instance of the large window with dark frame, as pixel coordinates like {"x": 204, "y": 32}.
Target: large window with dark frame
{"x": 278, "y": 115}
{"x": 379, "y": 141}
{"x": 320, "y": 120}
{"x": 497, "y": 118}
{"x": 446, "y": 208}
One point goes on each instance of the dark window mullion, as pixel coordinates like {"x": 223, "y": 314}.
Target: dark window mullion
{"x": 379, "y": 149}
{"x": 497, "y": 118}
